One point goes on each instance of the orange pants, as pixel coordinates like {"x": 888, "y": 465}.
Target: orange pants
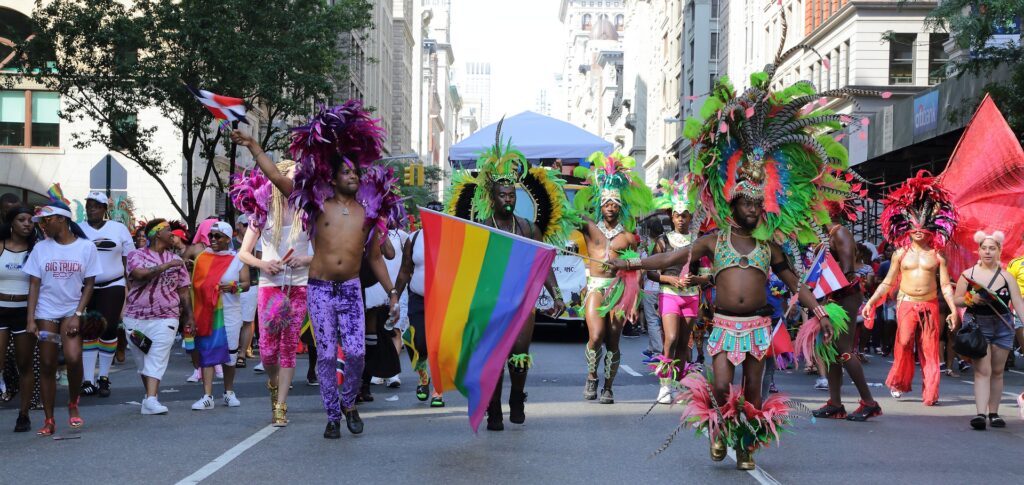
{"x": 911, "y": 315}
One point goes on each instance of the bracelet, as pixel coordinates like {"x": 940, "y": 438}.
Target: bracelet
{"x": 632, "y": 263}
{"x": 819, "y": 311}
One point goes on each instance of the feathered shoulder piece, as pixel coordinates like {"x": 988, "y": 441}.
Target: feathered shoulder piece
{"x": 611, "y": 180}
{"x": 251, "y": 194}
{"x": 344, "y": 134}
{"x": 380, "y": 196}
{"x": 920, "y": 203}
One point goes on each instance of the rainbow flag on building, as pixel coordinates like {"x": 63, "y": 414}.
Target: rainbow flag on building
{"x": 481, "y": 285}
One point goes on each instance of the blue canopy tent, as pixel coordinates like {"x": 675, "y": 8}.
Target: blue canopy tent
{"x": 534, "y": 134}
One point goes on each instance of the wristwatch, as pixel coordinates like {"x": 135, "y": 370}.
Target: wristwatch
{"x": 394, "y": 291}
{"x": 79, "y": 314}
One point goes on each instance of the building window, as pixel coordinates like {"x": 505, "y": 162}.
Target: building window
{"x": 691, "y": 53}
{"x": 620, "y": 22}
{"x": 846, "y": 65}
{"x": 901, "y": 58}
{"x": 29, "y": 119}
{"x": 714, "y": 46}
{"x": 714, "y": 9}
{"x": 125, "y": 131}
{"x": 937, "y": 58}
{"x": 586, "y": 21}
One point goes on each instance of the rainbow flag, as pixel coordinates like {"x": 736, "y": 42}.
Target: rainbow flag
{"x": 481, "y": 285}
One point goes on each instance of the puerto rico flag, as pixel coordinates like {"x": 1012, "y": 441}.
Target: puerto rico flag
{"x": 222, "y": 107}
{"x": 825, "y": 276}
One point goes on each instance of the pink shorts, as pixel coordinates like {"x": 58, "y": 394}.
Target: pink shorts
{"x": 684, "y": 306}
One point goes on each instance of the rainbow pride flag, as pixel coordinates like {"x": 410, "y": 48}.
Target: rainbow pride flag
{"x": 481, "y": 285}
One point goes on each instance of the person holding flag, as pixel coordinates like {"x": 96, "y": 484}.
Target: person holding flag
{"x": 837, "y": 282}
{"x": 347, "y": 203}
{"x": 489, "y": 198}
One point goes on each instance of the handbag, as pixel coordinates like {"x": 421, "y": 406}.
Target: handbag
{"x": 969, "y": 341}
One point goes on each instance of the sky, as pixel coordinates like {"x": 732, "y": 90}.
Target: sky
{"x": 522, "y": 39}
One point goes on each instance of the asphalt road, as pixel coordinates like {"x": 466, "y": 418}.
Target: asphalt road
{"x": 565, "y": 440}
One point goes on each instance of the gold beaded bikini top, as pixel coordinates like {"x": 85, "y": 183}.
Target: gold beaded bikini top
{"x": 726, "y": 256}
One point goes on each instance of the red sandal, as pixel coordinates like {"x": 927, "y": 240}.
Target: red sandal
{"x": 49, "y": 427}
{"x": 74, "y": 421}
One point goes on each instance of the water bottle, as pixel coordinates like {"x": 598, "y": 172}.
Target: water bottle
{"x": 52, "y": 337}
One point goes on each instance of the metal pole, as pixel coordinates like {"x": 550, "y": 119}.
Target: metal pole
{"x": 109, "y": 161}
{"x": 229, "y": 208}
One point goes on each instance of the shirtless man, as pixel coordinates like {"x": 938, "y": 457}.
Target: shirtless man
{"x": 919, "y": 218}
{"x": 742, "y": 322}
{"x": 334, "y": 294}
{"x": 605, "y": 239}
{"x": 917, "y": 305}
{"x": 844, "y": 248}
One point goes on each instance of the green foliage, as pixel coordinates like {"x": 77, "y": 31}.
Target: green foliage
{"x": 971, "y": 24}
{"x": 111, "y": 60}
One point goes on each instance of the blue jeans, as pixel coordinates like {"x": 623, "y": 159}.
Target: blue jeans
{"x": 655, "y": 342}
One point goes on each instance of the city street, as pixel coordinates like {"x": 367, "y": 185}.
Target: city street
{"x": 564, "y": 440}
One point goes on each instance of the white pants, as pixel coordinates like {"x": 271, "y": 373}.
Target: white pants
{"x": 161, "y": 332}
{"x": 249, "y": 305}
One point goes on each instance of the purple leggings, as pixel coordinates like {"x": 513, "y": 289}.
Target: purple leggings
{"x": 336, "y": 312}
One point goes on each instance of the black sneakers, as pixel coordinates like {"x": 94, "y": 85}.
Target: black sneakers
{"x": 104, "y": 383}
{"x": 352, "y": 420}
{"x": 333, "y": 430}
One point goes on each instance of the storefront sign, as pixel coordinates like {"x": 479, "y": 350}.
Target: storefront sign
{"x": 926, "y": 113}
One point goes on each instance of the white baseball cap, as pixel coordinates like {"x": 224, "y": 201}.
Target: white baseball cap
{"x": 98, "y": 197}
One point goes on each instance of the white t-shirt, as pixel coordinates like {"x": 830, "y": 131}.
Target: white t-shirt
{"x": 375, "y": 295}
{"x": 419, "y": 262}
{"x": 113, "y": 242}
{"x": 271, "y": 252}
{"x": 61, "y": 270}
{"x": 232, "y": 302}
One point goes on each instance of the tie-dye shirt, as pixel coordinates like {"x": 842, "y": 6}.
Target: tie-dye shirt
{"x": 157, "y": 298}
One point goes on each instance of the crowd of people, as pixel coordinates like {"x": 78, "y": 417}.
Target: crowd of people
{"x": 325, "y": 258}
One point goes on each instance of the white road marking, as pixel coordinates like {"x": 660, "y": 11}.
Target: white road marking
{"x": 629, "y": 370}
{"x": 1004, "y": 392}
{"x": 222, "y": 460}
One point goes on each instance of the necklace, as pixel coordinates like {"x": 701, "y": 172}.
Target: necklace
{"x": 344, "y": 209}
{"x": 610, "y": 234}
{"x": 513, "y": 229}
{"x": 677, "y": 240}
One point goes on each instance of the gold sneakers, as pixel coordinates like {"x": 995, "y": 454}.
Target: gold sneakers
{"x": 718, "y": 450}
{"x": 280, "y": 415}
{"x": 744, "y": 460}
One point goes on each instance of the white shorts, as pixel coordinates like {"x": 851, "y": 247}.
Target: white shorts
{"x": 249, "y": 305}
{"x": 161, "y": 332}
{"x": 234, "y": 331}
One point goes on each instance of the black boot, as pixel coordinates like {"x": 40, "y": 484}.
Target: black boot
{"x": 517, "y": 407}
{"x": 333, "y": 430}
{"x": 494, "y": 420}
{"x": 352, "y": 420}
{"x": 590, "y": 388}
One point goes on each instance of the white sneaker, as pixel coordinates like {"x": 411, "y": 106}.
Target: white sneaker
{"x": 895, "y": 394}
{"x": 230, "y": 400}
{"x": 394, "y": 382}
{"x": 219, "y": 370}
{"x": 665, "y": 395}
{"x": 821, "y": 384}
{"x": 195, "y": 377}
{"x": 151, "y": 405}
{"x": 204, "y": 403}
{"x": 377, "y": 381}
{"x": 259, "y": 368}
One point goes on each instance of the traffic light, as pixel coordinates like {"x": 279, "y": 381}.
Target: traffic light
{"x": 420, "y": 180}
{"x": 410, "y": 175}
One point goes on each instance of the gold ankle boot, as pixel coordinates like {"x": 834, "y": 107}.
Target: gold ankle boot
{"x": 744, "y": 460}
{"x": 280, "y": 415}
{"x": 718, "y": 450}
{"x": 273, "y": 395}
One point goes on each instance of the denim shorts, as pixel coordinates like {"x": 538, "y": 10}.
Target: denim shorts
{"x": 995, "y": 329}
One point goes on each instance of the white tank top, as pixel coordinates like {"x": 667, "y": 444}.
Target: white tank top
{"x": 13, "y": 281}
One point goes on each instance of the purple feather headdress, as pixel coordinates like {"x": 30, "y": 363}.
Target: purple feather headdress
{"x": 379, "y": 195}
{"x": 251, "y": 194}
{"x": 344, "y": 133}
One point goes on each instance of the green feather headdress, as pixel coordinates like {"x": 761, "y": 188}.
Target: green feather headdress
{"x": 611, "y": 180}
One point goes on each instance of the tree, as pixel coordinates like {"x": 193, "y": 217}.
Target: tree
{"x": 110, "y": 61}
{"x": 972, "y": 24}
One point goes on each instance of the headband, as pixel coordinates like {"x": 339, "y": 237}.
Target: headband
{"x": 156, "y": 229}
{"x": 998, "y": 237}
